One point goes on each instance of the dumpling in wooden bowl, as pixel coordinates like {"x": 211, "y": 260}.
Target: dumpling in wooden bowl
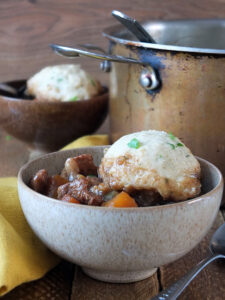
{"x": 68, "y": 82}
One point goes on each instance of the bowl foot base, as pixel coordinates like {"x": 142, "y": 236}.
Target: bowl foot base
{"x": 119, "y": 277}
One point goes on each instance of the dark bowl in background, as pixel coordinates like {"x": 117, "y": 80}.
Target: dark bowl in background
{"x": 51, "y": 125}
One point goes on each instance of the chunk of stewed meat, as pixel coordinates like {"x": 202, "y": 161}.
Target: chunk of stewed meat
{"x": 93, "y": 180}
{"x": 39, "y": 181}
{"x": 70, "y": 169}
{"x": 79, "y": 189}
{"x": 82, "y": 164}
{"x": 147, "y": 197}
{"x": 100, "y": 189}
{"x": 52, "y": 186}
{"x": 86, "y": 165}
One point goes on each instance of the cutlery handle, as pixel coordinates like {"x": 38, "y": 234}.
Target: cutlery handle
{"x": 172, "y": 292}
{"x": 134, "y": 26}
{"x": 7, "y": 88}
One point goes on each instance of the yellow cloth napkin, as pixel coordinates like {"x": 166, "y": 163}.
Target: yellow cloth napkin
{"x": 89, "y": 140}
{"x": 23, "y": 257}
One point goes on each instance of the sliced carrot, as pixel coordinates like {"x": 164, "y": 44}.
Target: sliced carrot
{"x": 121, "y": 200}
{"x": 73, "y": 200}
{"x": 70, "y": 199}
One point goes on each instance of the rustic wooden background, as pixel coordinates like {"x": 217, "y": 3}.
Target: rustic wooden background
{"x": 28, "y": 26}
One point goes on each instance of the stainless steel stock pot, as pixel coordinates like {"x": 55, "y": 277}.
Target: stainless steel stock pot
{"x": 176, "y": 84}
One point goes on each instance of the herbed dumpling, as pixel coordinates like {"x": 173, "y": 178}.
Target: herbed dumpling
{"x": 152, "y": 161}
{"x": 67, "y": 82}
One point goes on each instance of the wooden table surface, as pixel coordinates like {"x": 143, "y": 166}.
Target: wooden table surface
{"x": 67, "y": 281}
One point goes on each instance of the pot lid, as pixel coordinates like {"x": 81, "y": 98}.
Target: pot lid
{"x": 204, "y": 36}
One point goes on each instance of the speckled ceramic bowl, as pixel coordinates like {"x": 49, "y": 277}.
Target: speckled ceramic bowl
{"x": 118, "y": 244}
{"x": 51, "y": 125}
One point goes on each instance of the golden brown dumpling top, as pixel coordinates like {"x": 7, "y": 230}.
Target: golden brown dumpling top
{"x": 152, "y": 160}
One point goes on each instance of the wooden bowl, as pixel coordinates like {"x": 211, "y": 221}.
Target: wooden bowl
{"x": 118, "y": 244}
{"x": 51, "y": 125}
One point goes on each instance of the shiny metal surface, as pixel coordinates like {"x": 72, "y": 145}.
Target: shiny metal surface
{"x": 105, "y": 65}
{"x": 148, "y": 79}
{"x": 197, "y": 36}
{"x": 92, "y": 47}
{"x": 76, "y": 52}
{"x": 133, "y": 26}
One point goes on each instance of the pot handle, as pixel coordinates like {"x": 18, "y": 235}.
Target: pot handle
{"x": 75, "y": 52}
{"x": 148, "y": 78}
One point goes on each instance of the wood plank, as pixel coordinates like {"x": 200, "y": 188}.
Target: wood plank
{"x": 55, "y": 285}
{"x": 210, "y": 283}
{"x": 85, "y": 288}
